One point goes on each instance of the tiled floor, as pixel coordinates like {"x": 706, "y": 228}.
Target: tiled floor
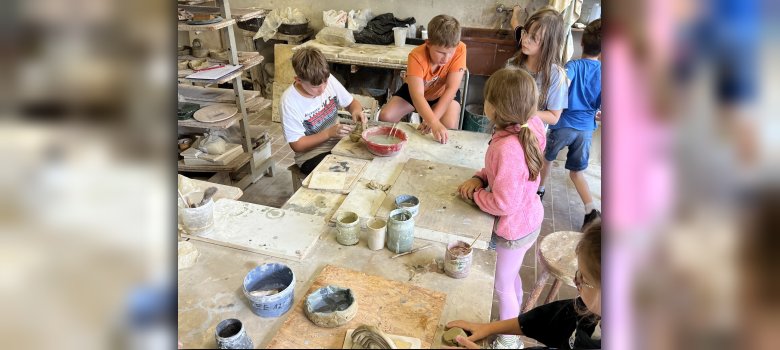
{"x": 563, "y": 209}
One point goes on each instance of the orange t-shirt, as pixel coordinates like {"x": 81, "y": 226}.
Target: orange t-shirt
{"x": 419, "y": 65}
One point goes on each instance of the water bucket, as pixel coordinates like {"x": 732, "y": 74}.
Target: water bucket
{"x": 347, "y": 228}
{"x": 375, "y": 237}
{"x": 198, "y": 220}
{"x": 400, "y": 231}
{"x": 230, "y": 334}
{"x": 475, "y": 120}
{"x": 457, "y": 259}
{"x": 270, "y": 289}
{"x": 399, "y": 34}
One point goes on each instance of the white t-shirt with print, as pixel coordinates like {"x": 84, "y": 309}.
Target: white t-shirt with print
{"x": 304, "y": 116}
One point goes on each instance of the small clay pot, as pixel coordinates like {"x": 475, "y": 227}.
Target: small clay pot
{"x": 183, "y": 64}
{"x": 198, "y": 64}
{"x": 184, "y": 143}
{"x": 331, "y": 306}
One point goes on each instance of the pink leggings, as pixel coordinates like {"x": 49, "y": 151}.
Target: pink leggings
{"x": 508, "y": 285}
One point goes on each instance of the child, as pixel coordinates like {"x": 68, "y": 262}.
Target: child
{"x": 563, "y": 324}
{"x": 309, "y": 109}
{"x": 512, "y": 165}
{"x": 575, "y": 128}
{"x": 433, "y": 77}
{"x": 540, "y": 46}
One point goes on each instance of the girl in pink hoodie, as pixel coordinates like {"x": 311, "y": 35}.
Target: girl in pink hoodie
{"x": 506, "y": 186}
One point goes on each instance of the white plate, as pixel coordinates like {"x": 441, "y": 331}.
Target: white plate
{"x": 215, "y": 113}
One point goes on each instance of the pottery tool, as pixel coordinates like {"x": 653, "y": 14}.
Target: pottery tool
{"x": 206, "y": 196}
{"x": 187, "y": 204}
{"x": 393, "y": 128}
{"x": 415, "y": 250}
{"x": 475, "y": 240}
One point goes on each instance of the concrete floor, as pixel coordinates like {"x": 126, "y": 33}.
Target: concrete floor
{"x": 563, "y": 209}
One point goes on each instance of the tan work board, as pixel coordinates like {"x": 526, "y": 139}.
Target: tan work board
{"x": 394, "y": 307}
{"x": 441, "y": 208}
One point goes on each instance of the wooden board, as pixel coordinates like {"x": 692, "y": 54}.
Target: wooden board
{"x": 394, "y": 307}
{"x": 351, "y": 167}
{"x": 362, "y": 201}
{"x": 278, "y": 90}
{"x": 187, "y": 185}
{"x": 266, "y": 230}
{"x": 205, "y": 94}
{"x": 441, "y": 208}
{"x": 283, "y": 69}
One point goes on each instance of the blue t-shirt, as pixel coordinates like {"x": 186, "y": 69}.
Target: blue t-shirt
{"x": 584, "y": 95}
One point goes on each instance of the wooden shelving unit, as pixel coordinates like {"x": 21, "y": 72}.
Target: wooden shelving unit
{"x": 255, "y": 171}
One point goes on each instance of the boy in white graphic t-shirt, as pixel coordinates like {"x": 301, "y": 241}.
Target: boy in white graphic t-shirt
{"x": 309, "y": 109}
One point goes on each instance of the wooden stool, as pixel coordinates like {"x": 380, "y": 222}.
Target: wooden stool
{"x": 556, "y": 257}
{"x": 297, "y": 177}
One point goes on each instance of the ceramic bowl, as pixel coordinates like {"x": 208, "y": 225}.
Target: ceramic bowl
{"x": 384, "y": 150}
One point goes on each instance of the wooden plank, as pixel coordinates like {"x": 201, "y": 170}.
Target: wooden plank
{"x": 233, "y": 166}
{"x": 184, "y": 27}
{"x": 315, "y": 202}
{"x": 243, "y": 57}
{"x": 206, "y": 94}
{"x": 351, "y": 167}
{"x": 363, "y": 201}
{"x": 441, "y": 208}
{"x": 227, "y": 77}
{"x": 283, "y": 69}
{"x": 265, "y": 230}
{"x": 394, "y": 307}
{"x": 187, "y": 185}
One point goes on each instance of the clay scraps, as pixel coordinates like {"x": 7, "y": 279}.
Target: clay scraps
{"x": 370, "y": 337}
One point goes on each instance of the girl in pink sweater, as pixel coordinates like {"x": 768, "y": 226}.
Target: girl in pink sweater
{"x": 506, "y": 186}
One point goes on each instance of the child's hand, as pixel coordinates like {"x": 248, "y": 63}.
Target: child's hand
{"x": 424, "y": 128}
{"x": 359, "y": 117}
{"x": 598, "y": 115}
{"x": 467, "y": 188}
{"x": 468, "y": 344}
{"x": 439, "y": 132}
{"x": 339, "y": 130}
{"x": 478, "y": 331}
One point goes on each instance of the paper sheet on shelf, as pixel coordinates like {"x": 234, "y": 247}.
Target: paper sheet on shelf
{"x": 214, "y": 73}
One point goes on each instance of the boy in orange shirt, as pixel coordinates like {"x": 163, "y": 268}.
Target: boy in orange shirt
{"x": 434, "y": 73}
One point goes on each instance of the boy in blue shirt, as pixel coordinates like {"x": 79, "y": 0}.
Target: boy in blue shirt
{"x": 577, "y": 123}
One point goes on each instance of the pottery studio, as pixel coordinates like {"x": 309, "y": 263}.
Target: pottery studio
{"x": 388, "y": 174}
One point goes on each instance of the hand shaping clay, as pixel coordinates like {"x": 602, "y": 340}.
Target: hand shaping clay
{"x": 448, "y": 338}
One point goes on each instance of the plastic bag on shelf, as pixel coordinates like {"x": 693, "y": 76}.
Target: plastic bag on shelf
{"x": 275, "y": 18}
{"x": 336, "y": 37}
{"x": 357, "y": 20}
{"x": 335, "y": 19}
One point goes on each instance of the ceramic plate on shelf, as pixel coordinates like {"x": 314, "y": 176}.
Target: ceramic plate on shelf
{"x": 205, "y": 21}
{"x": 215, "y": 113}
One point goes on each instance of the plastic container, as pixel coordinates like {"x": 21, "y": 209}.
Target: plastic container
{"x": 196, "y": 221}
{"x": 347, "y": 228}
{"x": 400, "y": 231}
{"x": 457, "y": 259}
{"x": 408, "y": 202}
{"x": 270, "y": 289}
{"x": 475, "y": 120}
{"x": 376, "y": 233}
{"x": 399, "y": 34}
{"x": 230, "y": 334}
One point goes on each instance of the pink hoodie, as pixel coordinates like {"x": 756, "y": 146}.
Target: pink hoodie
{"x": 512, "y": 197}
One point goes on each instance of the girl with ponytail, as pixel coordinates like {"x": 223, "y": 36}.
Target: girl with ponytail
{"x": 506, "y": 186}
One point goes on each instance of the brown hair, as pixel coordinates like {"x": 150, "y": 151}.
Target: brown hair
{"x": 549, "y": 24}
{"x": 310, "y": 65}
{"x": 444, "y": 31}
{"x": 513, "y": 94}
{"x": 589, "y": 251}
{"x": 591, "y": 39}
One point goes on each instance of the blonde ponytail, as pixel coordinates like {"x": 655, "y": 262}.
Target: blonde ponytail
{"x": 533, "y": 155}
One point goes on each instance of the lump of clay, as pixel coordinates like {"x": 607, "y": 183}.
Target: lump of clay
{"x": 370, "y": 337}
{"x": 356, "y": 133}
{"x": 331, "y": 306}
{"x": 188, "y": 254}
{"x": 449, "y": 336}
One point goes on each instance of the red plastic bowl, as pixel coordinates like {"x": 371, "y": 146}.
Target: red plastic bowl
{"x": 384, "y": 150}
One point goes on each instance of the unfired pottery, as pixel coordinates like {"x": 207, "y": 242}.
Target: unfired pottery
{"x": 331, "y": 306}
{"x": 370, "y": 337}
{"x": 448, "y": 338}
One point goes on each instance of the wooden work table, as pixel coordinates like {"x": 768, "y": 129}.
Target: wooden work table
{"x": 464, "y": 149}
{"x": 211, "y": 290}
